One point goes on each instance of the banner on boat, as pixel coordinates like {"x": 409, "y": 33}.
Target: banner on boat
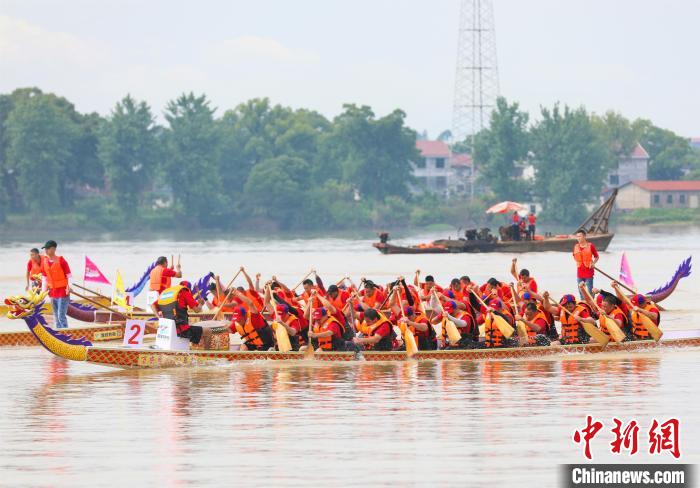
{"x": 93, "y": 273}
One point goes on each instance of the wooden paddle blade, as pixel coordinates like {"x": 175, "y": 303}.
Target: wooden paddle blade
{"x": 600, "y": 337}
{"x": 452, "y": 333}
{"x": 522, "y": 333}
{"x": 283, "y": 343}
{"x": 505, "y": 328}
{"x": 649, "y": 325}
{"x": 482, "y": 330}
{"x": 410, "y": 342}
{"x": 613, "y": 329}
{"x": 309, "y": 351}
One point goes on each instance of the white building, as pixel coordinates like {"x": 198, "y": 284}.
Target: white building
{"x": 440, "y": 171}
{"x": 632, "y": 167}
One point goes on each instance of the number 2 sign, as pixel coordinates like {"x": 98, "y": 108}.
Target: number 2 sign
{"x": 133, "y": 333}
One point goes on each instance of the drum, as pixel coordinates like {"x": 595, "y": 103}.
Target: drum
{"x": 219, "y": 340}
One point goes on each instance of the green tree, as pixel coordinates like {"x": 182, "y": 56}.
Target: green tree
{"x": 128, "y": 150}
{"x": 501, "y": 149}
{"x": 617, "y": 131}
{"x": 40, "y": 139}
{"x": 670, "y": 155}
{"x": 374, "y": 154}
{"x": 571, "y": 159}
{"x": 191, "y": 165}
{"x": 277, "y": 190}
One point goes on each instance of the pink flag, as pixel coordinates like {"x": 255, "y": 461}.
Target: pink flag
{"x": 626, "y": 272}
{"x": 93, "y": 273}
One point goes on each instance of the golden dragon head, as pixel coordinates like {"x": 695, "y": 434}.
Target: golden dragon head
{"x": 20, "y": 306}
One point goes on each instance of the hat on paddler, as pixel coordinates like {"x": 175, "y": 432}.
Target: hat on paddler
{"x": 495, "y": 303}
{"x": 638, "y": 300}
{"x": 49, "y": 244}
{"x": 450, "y": 306}
{"x": 238, "y": 314}
{"x": 319, "y": 313}
{"x": 281, "y": 308}
{"x": 186, "y": 284}
{"x": 567, "y": 299}
{"x": 527, "y": 296}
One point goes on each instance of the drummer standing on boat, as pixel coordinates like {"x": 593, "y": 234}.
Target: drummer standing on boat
{"x": 55, "y": 278}
{"x": 161, "y": 279}
{"x": 585, "y": 255}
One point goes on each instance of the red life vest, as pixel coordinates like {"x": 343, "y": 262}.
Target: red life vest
{"x": 55, "y": 276}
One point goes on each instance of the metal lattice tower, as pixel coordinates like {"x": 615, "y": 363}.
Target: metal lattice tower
{"x": 476, "y": 81}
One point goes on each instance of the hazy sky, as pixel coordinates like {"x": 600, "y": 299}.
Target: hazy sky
{"x": 639, "y": 57}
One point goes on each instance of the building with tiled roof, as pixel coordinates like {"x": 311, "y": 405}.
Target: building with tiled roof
{"x": 631, "y": 167}
{"x": 440, "y": 171}
{"x": 658, "y": 194}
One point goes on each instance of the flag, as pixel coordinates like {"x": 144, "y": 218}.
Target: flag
{"x": 626, "y": 272}
{"x": 93, "y": 273}
{"x": 119, "y": 296}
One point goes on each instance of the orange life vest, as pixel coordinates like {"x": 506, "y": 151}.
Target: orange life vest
{"x": 531, "y": 333}
{"x": 373, "y": 301}
{"x": 637, "y": 325}
{"x": 494, "y": 336}
{"x": 583, "y": 255}
{"x": 36, "y": 267}
{"x": 219, "y": 299}
{"x": 248, "y": 333}
{"x": 55, "y": 277}
{"x": 616, "y": 311}
{"x": 571, "y": 331}
{"x": 156, "y": 282}
{"x": 326, "y": 343}
{"x": 368, "y": 330}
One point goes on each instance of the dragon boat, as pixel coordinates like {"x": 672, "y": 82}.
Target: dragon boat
{"x": 81, "y": 349}
{"x": 100, "y": 324}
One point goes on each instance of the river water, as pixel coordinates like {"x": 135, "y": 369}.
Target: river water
{"x": 494, "y": 423}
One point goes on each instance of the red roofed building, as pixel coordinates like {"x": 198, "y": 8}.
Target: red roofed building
{"x": 695, "y": 142}
{"x": 440, "y": 171}
{"x": 659, "y": 194}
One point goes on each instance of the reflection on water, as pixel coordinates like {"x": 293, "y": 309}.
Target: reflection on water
{"x": 345, "y": 424}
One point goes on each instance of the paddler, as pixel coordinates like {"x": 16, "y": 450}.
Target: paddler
{"x": 418, "y": 323}
{"x": 161, "y": 279}
{"x": 248, "y": 322}
{"x": 292, "y": 324}
{"x": 640, "y": 306}
{"x": 372, "y": 296}
{"x": 536, "y": 322}
{"x": 493, "y": 335}
{"x": 572, "y": 318}
{"x": 326, "y": 332}
{"x": 377, "y": 330}
{"x": 174, "y": 303}
{"x": 33, "y": 270}
{"x": 464, "y": 321}
{"x": 56, "y": 279}
{"x": 612, "y": 311}
{"x": 525, "y": 281}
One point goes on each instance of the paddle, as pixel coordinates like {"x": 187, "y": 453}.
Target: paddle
{"x": 283, "y": 343}
{"x": 648, "y": 324}
{"x": 217, "y": 314}
{"x": 505, "y": 328}
{"x": 310, "y": 349}
{"x": 522, "y": 327}
{"x": 302, "y": 280}
{"x": 99, "y": 295}
{"x": 98, "y": 304}
{"x": 613, "y": 329}
{"x": 408, "y": 339}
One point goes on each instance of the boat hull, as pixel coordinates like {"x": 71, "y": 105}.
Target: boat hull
{"x": 150, "y": 358}
{"x": 601, "y": 242}
{"x": 97, "y": 332}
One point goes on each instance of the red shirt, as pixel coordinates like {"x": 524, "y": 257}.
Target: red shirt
{"x": 582, "y": 271}
{"x": 333, "y": 327}
{"x": 531, "y": 219}
{"x": 516, "y": 219}
{"x": 167, "y": 273}
{"x": 185, "y": 299}
{"x": 542, "y": 323}
{"x": 256, "y": 319}
{"x": 383, "y": 330}
{"x": 58, "y": 292}
{"x": 531, "y": 285}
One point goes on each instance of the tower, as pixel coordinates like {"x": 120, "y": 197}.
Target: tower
{"x": 476, "y": 80}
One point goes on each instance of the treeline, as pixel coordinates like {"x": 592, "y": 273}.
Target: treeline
{"x": 257, "y": 164}
{"x": 562, "y": 160}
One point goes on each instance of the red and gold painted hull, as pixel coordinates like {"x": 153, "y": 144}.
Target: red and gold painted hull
{"x": 93, "y": 333}
{"x": 152, "y": 358}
